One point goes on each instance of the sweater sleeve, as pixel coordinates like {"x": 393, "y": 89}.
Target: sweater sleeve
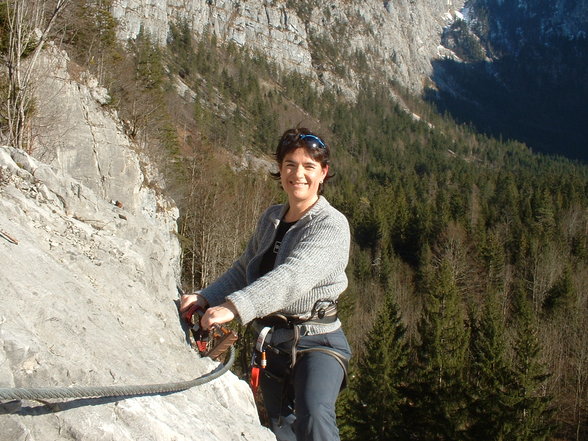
{"x": 235, "y": 278}
{"x": 315, "y": 264}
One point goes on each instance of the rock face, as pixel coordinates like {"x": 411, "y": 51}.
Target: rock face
{"x": 88, "y": 287}
{"x": 509, "y": 28}
{"x": 531, "y": 55}
{"x": 399, "y": 38}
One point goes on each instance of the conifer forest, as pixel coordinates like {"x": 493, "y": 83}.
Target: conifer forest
{"x": 467, "y": 305}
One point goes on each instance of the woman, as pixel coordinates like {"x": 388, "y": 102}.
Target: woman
{"x": 288, "y": 281}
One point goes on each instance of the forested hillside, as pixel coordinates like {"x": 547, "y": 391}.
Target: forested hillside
{"x": 468, "y": 297}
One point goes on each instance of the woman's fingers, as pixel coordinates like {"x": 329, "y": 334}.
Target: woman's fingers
{"x": 218, "y": 315}
{"x": 187, "y": 300}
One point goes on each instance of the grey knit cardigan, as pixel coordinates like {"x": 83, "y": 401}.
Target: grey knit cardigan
{"x": 310, "y": 266}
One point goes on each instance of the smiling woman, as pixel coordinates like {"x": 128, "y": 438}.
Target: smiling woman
{"x": 302, "y": 175}
{"x": 287, "y": 283}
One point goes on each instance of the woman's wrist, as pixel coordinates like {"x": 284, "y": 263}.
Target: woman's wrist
{"x": 231, "y": 307}
{"x": 200, "y": 299}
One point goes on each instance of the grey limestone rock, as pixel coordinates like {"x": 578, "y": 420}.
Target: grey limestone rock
{"x": 88, "y": 287}
{"x": 400, "y": 38}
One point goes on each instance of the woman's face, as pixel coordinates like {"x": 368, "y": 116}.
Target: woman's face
{"x": 300, "y": 176}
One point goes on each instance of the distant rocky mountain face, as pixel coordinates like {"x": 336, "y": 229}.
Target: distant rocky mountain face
{"x": 515, "y": 69}
{"x": 524, "y": 72}
{"x": 395, "y": 39}
{"x": 510, "y": 28}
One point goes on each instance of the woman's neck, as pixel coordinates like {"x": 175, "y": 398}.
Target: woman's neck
{"x": 298, "y": 209}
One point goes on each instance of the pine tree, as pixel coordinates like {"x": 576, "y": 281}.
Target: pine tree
{"x": 492, "y": 251}
{"x": 150, "y": 70}
{"x": 531, "y": 406}
{"x": 436, "y": 407}
{"x": 370, "y": 407}
{"x": 490, "y": 376}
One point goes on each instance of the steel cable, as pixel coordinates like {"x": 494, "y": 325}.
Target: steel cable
{"x": 43, "y": 393}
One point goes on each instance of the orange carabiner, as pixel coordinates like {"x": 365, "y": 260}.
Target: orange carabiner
{"x": 254, "y": 380}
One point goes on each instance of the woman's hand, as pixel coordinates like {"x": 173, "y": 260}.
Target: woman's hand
{"x": 218, "y": 315}
{"x": 189, "y": 301}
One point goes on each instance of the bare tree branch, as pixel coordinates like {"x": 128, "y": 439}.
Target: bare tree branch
{"x": 28, "y": 30}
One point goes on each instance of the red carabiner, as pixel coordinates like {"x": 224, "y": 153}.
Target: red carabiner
{"x": 189, "y": 314}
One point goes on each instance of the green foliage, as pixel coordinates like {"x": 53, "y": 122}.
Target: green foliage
{"x": 303, "y": 8}
{"x": 28, "y": 46}
{"x": 370, "y": 409}
{"x": 467, "y": 47}
{"x": 326, "y": 52}
{"x": 249, "y": 118}
{"x": 89, "y": 29}
{"x": 531, "y": 404}
{"x": 4, "y": 30}
{"x": 149, "y": 61}
{"x": 491, "y": 413}
{"x": 561, "y": 294}
{"x": 437, "y": 400}
{"x": 181, "y": 46}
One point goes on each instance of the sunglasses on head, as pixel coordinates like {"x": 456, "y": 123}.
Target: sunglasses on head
{"x": 313, "y": 141}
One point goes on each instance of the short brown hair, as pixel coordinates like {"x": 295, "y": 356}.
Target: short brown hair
{"x": 301, "y": 137}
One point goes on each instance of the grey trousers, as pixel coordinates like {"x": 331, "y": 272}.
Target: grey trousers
{"x": 301, "y": 403}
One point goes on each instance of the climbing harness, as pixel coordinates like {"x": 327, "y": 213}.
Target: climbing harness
{"x": 276, "y": 329}
{"x": 277, "y": 353}
{"x": 258, "y": 358}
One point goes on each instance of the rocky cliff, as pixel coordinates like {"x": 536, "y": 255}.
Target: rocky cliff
{"x": 88, "y": 274}
{"x": 512, "y": 69}
{"x": 524, "y": 75}
{"x": 398, "y": 39}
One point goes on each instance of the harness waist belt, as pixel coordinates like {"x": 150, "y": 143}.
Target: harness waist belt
{"x": 323, "y": 312}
